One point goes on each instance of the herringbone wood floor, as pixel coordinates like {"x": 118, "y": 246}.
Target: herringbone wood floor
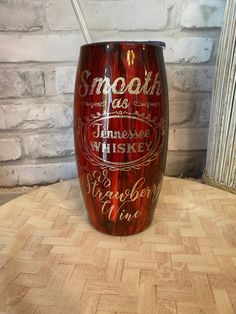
{"x": 53, "y": 261}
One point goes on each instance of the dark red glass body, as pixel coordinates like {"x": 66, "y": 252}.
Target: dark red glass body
{"x": 121, "y": 132}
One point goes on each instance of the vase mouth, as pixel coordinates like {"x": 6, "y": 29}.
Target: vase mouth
{"x": 157, "y": 43}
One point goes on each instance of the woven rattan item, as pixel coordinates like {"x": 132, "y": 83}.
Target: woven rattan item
{"x": 53, "y": 261}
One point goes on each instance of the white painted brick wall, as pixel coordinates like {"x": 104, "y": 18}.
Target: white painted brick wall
{"x": 40, "y": 42}
{"x": 202, "y": 13}
{"x": 188, "y": 139}
{"x": 49, "y": 145}
{"x": 204, "y": 111}
{"x": 41, "y": 48}
{"x": 43, "y": 173}
{"x": 18, "y": 83}
{"x": 57, "y": 20}
{"x": 65, "y": 47}
{"x": 11, "y": 149}
{"x": 21, "y": 15}
{"x": 181, "y": 112}
{"x": 188, "y": 49}
{"x": 189, "y": 79}
{"x": 65, "y": 79}
{"x": 32, "y": 115}
{"x": 109, "y": 15}
{"x": 186, "y": 163}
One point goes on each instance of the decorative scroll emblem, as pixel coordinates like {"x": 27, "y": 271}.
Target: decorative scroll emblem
{"x": 122, "y": 141}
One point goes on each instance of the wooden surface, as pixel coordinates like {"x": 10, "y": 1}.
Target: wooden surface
{"x": 53, "y": 261}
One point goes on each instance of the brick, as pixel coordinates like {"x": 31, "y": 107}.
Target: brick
{"x": 199, "y": 14}
{"x": 65, "y": 47}
{"x": 127, "y": 15}
{"x": 25, "y": 115}
{"x": 205, "y": 111}
{"x": 193, "y": 79}
{"x": 60, "y": 15}
{"x": 110, "y": 15}
{"x": 17, "y": 83}
{"x": 24, "y": 15}
{"x": 188, "y": 49}
{"x": 188, "y": 139}
{"x": 10, "y": 149}
{"x": 185, "y": 164}
{"x": 49, "y": 145}
{"x": 181, "y": 112}
{"x": 48, "y": 48}
{"x": 65, "y": 80}
{"x": 31, "y": 174}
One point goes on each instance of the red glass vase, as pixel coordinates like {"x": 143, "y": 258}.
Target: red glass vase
{"x": 121, "y": 132}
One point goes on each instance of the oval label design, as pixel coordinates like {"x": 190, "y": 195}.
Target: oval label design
{"x": 122, "y": 142}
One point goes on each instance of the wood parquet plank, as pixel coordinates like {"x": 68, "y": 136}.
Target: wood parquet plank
{"x": 53, "y": 261}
